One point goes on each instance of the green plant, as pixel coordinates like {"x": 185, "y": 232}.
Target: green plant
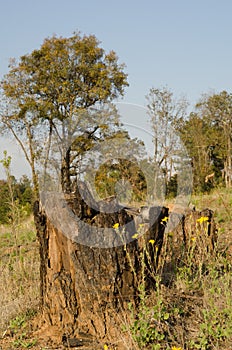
{"x": 13, "y": 203}
{"x": 22, "y": 342}
{"x": 216, "y": 323}
{"x": 148, "y": 323}
{"x": 18, "y": 327}
{"x": 19, "y": 322}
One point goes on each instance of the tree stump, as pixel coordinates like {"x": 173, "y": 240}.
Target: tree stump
{"x": 86, "y": 288}
{"x": 189, "y": 233}
{"x": 87, "y": 280}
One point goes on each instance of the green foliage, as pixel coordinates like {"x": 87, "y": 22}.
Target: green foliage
{"x": 172, "y": 187}
{"x": 194, "y": 134}
{"x": 216, "y": 110}
{"x": 207, "y": 136}
{"x": 216, "y": 315}
{"x": 121, "y": 177}
{"x": 148, "y": 323}
{"x": 4, "y": 202}
{"x": 23, "y": 196}
{"x": 50, "y": 91}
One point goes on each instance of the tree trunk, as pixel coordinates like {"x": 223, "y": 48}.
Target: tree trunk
{"x": 65, "y": 172}
{"x": 87, "y": 282}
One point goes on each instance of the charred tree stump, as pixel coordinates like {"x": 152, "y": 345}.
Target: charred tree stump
{"x": 86, "y": 288}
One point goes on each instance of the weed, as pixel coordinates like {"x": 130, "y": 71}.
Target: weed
{"x": 21, "y": 342}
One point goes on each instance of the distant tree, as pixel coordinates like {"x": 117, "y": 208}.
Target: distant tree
{"x": 165, "y": 113}
{"x": 25, "y": 195}
{"x": 49, "y": 91}
{"x": 216, "y": 109}
{"x": 117, "y": 168}
{"x": 172, "y": 187}
{"x": 21, "y": 198}
{"x": 123, "y": 178}
{"x": 196, "y": 135}
{"x": 4, "y": 202}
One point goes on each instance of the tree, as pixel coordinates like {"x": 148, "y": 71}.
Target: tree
{"x": 165, "y": 113}
{"x": 5, "y": 203}
{"x": 196, "y": 134}
{"x": 16, "y": 197}
{"x": 216, "y": 109}
{"x": 13, "y": 203}
{"x": 122, "y": 177}
{"x": 49, "y": 91}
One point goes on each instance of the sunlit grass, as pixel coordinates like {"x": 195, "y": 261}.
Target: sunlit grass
{"x": 19, "y": 271}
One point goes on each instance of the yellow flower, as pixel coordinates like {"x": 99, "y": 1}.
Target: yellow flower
{"x": 193, "y": 239}
{"x": 105, "y": 347}
{"x": 165, "y": 219}
{"x": 116, "y": 225}
{"x": 135, "y": 235}
{"x": 176, "y": 348}
{"x": 152, "y": 241}
{"x": 202, "y": 219}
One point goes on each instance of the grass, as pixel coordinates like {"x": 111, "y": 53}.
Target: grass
{"x": 193, "y": 311}
{"x": 19, "y": 270}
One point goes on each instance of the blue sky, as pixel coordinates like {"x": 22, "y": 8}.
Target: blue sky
{"x": 185, "y": 45}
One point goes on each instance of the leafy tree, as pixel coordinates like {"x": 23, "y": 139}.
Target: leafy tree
{"x": 196, "y": 136}
{"x": 207, "y": 136}
{"x": 121, "y": 177}
{"x": 172, "y": 187}
{"x": 49, "y": 91}
{"x": 4, "y": 202}
{"x": 216, "y": 109}
{"x": 20, "y": 198}
{"x": 115, "y": 167}
{"x": 25, "y": 195}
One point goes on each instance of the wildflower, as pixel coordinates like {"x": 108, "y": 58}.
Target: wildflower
{"x": 135, "y": 235}
{"x": 176, "y": 348}
{"x": 202, "y": 219}
{"x": 193, "y": 239}
{"x": 165, "y": 219}
{"x": 116, "y": 225}
{"x": 105, "y": 347}
{"x": 152, "y": 241}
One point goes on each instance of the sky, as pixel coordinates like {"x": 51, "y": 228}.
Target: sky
{"x": 184, "y": 45}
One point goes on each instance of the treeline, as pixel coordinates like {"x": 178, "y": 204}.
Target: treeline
{"x": 22, "y": 197}
{"x": 205, "y": 133}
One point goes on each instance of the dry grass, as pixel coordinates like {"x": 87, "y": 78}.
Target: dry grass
{"x": 19, "y": 271}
